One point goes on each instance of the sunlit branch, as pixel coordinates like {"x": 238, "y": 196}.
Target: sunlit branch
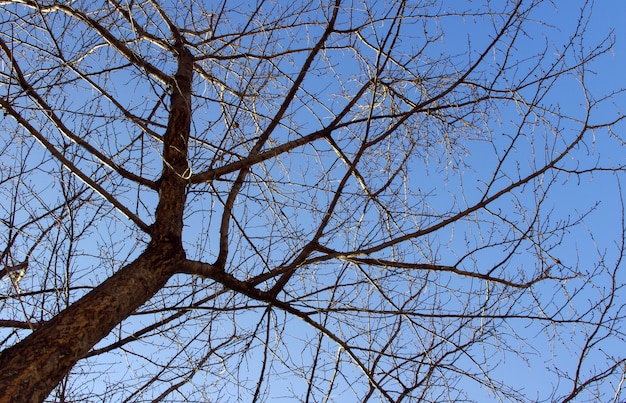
{"x": 482, "y": 203}
{"x": 73, "y": 168}
{"x": 234, "y": 191}
{"x": 245, "y": 288}
{"x": 106, "y": 34}
{"x": 139, "y": 30}
{"x": 387, "y": 264}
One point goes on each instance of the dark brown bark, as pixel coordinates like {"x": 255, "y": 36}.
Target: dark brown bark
{"x": 168, "y": 225}
{"x": 31, "y": 369}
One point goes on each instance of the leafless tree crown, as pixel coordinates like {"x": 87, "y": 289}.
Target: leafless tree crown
{"x": 309, "y": 201}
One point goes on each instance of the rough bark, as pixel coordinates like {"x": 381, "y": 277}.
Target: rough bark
{"x": 32, "y": 368}
{"x": 168, "y": 225}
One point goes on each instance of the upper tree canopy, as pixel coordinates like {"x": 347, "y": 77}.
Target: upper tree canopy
{"x": 314, "y": 201}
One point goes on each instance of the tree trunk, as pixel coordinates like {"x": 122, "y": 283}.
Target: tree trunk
{"x": 32, "y": 368}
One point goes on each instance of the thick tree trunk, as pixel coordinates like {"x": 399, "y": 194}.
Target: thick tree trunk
{"x": 30, "y": 370}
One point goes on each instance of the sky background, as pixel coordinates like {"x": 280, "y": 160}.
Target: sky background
{"x": 602, "y": 227}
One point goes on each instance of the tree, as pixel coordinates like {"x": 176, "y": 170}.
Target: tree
{"x": 307, "y": 200}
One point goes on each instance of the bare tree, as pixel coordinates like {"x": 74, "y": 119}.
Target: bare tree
{"x": 314, "y": 201}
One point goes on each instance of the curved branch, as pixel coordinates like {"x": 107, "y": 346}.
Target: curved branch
{"x": 232, "y": 195}
{"x": 106, "y": 34}
{"x": 73, "y": 168}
